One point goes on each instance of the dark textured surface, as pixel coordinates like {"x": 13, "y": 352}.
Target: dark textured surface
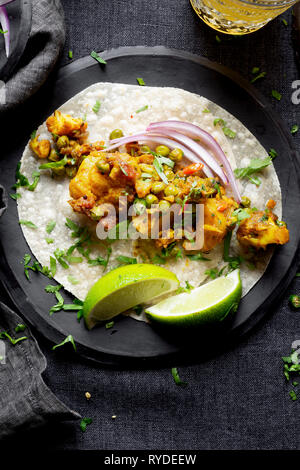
{"x": 239, "y": 399}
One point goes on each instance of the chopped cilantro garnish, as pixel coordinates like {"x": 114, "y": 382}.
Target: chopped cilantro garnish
{"x": 260, "y": 75}
{"x": 68, "y": 339}
{"x": 96, "y": 107}
{"x": 197, "y": 257}
{"x": 219, "y": 121}
{"x": 109, "y": 325}
{"x": 52, "y": 266}
{"x": 229, "y": 133}
{"x": 49, "y": 240}
{"x": 293, "y": 395}
{"x": 137, "y": 309}
{"x": 294, "y": 301}
{"x": 84, "y": 422}
{"x": 70, "y": 54}
{"x": 294, "y": 129}
{"x": 13, "y": 341}
{"x": 140, "y": 81}
{"x": 158, "y": 166}
{"x": 15, "y": 196}
{"x": 205, "y": 110}
{"x": 33, "y": 135}
{"x": 27, "y": 223}
{"x": 20, "y": 327}
{"x": 126, "y": 260}
{"x": 123, "y": 170}
{"x": 60, "y": 255}
{"x": 50, "y": 226}
{"x": 212, "y": 273}
{"x": 142, "y": 109}
{"x": 276, "y": 95}
{"x": 58, "y": 164}
{"x": 73, "y": 280}
{"x": 177, "y": 378}
{"x": 255, "y": 165}
{"x": 36, "y": 175}
{"x": 98, "y": 58}
{"x": 273, "y": 154}
{"x": 52, "y": 289}
{"x": 241, "y": 214}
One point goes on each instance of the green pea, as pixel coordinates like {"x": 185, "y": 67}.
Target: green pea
{"x": 54, "y": 156}
{"x": 71, "y": 171}
{"x": 246, "y": 201}
{"x": 157, "y": 187}
{"x": 116, "y": 134}
{"x": 103, "y": 167}
{"x": 145, "y": 149}
{"x": 164, "y": 205}
{"x": 62, "y": 141}
{"x": 176, "y": 155}
{"x": 169, "y": 174}
{"x": 150, "y": 200}
{"x": 139, "y": 206}
{"x": 171, "y": 190}
{"x": 146, "y": 168}
{"x": 61, "y": 171}
{"x": 162, "y": 150}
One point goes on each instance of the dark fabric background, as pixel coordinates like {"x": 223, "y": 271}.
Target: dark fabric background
{"x": 237, "y": 400}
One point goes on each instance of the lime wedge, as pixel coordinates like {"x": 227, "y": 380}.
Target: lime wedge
{"x": 207, "y": 304}
{"x": 124, "y": 288}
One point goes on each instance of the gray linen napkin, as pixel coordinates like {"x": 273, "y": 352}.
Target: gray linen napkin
{"x": 25, "y": 400}
{"x": 45, "y": 42}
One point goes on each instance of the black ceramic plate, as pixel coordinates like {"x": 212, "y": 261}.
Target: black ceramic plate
{"x": 19, "y": 12}
{"x": 136, "y": 341}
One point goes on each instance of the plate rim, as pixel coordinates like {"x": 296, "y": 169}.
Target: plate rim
{"x": 258, "y": 97}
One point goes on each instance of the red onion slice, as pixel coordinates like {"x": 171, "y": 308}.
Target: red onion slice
{"x": 196, "y": 132}
{"x": 5, "y": 26}
{"x": 162, "y": 140}
{"x": 197, "y": 149}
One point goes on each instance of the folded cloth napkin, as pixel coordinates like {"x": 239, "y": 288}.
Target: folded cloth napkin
{"x": 25, "y": 400}
{"x": 44, "y": 45}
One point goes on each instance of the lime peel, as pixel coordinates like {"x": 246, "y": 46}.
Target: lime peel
{"x": 207, "y": 304}
{"x": 124, "y": 288}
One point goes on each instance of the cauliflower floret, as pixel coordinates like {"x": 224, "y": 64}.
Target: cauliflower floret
{"x": 41, "y": 148}
{"x": 63, "y": 124}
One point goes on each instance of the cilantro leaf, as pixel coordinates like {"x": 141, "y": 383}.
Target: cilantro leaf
{"x": 255, "y": 165}
{"x": 142, "y": 109}
{"x": 84, "y": 423}
{"x": 28, "y": 223}
{"x": 177, "y": 378}
{"x": 50, "y": 226}
{"x": 294, "y": 129}
{"x": 140, "y": 81}
{"x": 68, "y": 339}
{"x": 276, "y": 95}
{"x": 96, "y": 107}
{"x": 98, "y": 58}
{"x": 126, "y": 260}
{"x": 198, "y": 257}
